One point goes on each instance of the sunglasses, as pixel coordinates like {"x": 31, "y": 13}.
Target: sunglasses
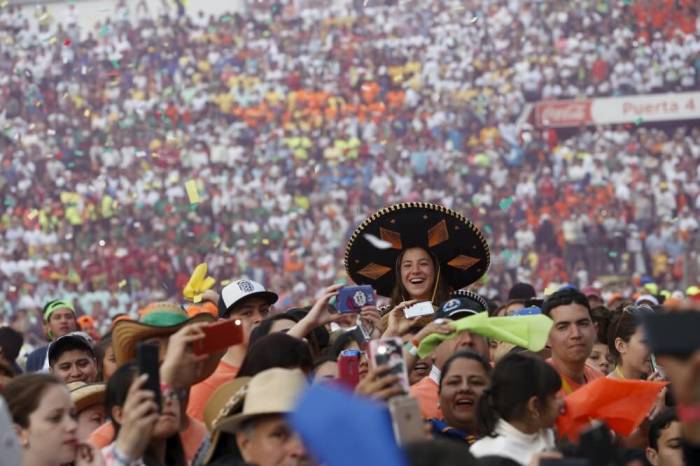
{"x": 634, "y": 311}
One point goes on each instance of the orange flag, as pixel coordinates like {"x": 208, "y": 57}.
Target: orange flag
{"x": 621, "y": 404}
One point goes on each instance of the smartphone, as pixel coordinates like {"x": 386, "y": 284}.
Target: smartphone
{"x": 349, "y": 368}
{"x": 354, "y": 298}
{"x": 219, "y": 336}
{"x": 655, "y": 367}
{"x": 406, "y": 419}
{"x": 389, "y": 352}
{"x": 673, "y": 333}
{"x": 424, "y": 308}
{"x": 148, "y": 363}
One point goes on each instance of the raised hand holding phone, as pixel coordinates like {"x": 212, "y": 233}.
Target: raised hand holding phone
{"x": 147, "y": 358}
{"x": 389, "y": 352}
{"x": 354, "y": 298}
{"x": 380, "y": 384}
{"x": 398, "y": 323}
{"x": 218, "y": 337}
{"x": 318, "y": 314}
{"x": 181, "y": 367}
{"x": 139, "y": 416}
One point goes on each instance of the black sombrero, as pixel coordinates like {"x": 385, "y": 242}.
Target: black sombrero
{"x": 456, "y": 242}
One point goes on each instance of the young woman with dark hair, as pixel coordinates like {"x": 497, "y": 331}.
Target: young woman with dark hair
{"x": 517, "y": 413}
{"x": 463, "y": 379}
{"x": 44, "y": 418}
{"x": 627, "y": 345}
{"x": 143, "y": 436}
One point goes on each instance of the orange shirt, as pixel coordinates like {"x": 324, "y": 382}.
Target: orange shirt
{"x": 569, "y": 385}
{"x": 426, "y": 393}
{"x": 200, "y": 393}
{"x": 191, "y": 438}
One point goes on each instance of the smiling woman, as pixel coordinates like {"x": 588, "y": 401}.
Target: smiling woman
{"x": 418, "y": 278}
{"x": 464, "y": 377}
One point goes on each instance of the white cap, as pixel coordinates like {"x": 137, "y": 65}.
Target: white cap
{"x": 646, "y": 298}
{"x": 238, "y": 290}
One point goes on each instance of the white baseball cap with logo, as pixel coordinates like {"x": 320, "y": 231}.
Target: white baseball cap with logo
{"x": 238, "y": 290}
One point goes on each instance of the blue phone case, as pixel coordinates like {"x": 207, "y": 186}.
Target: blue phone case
{"x": 354, "y": 298}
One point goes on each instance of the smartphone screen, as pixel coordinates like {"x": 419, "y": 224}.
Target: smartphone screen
{"x": 424, "y": 308}
{"x": 349, "y": 368}
{"x": 147, "y": 358}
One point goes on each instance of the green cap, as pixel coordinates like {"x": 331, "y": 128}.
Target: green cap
{"x": 52, "y": 306}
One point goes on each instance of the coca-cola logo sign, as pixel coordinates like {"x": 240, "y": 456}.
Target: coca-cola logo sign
{"x": 563, "y": 113}
{"x": 612, "y": 110}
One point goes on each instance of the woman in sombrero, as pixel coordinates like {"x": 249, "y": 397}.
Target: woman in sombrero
{"x": 416, "y": 251}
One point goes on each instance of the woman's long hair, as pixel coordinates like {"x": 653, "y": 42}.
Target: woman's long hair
{"x": 440, "y": 291}
{"x": 117, "y": 390}
{"x": 515, "y": 379}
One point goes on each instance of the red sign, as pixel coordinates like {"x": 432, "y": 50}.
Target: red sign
{"x": 563, "y": 113}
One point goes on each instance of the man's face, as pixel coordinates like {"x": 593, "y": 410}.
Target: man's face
{"x": 251, "y": 311}
{"x": 61, "y": 322}
{"x": 75, "y": 366}
{"x": 668, "y": 452}
{"x": 573, "y": 333}
{"x": 272, "y": 442}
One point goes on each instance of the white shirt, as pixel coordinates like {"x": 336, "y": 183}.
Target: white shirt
{"x": 514, "y": 444}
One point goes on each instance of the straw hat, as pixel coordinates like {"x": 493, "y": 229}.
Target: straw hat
{"x": 157, "y": 320}
{"x": 86, "y": 395}
{"x": 274, "y": 391}
{"x": 223, "y": 402}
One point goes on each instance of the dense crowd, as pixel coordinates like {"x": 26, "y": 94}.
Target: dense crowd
{"x": 293, "y": 121}
{"x": 227, "y": 376}
{"x": 513, "y": 286}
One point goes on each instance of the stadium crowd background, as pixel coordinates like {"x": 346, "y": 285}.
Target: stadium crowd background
{"x": 297, "y": 121}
